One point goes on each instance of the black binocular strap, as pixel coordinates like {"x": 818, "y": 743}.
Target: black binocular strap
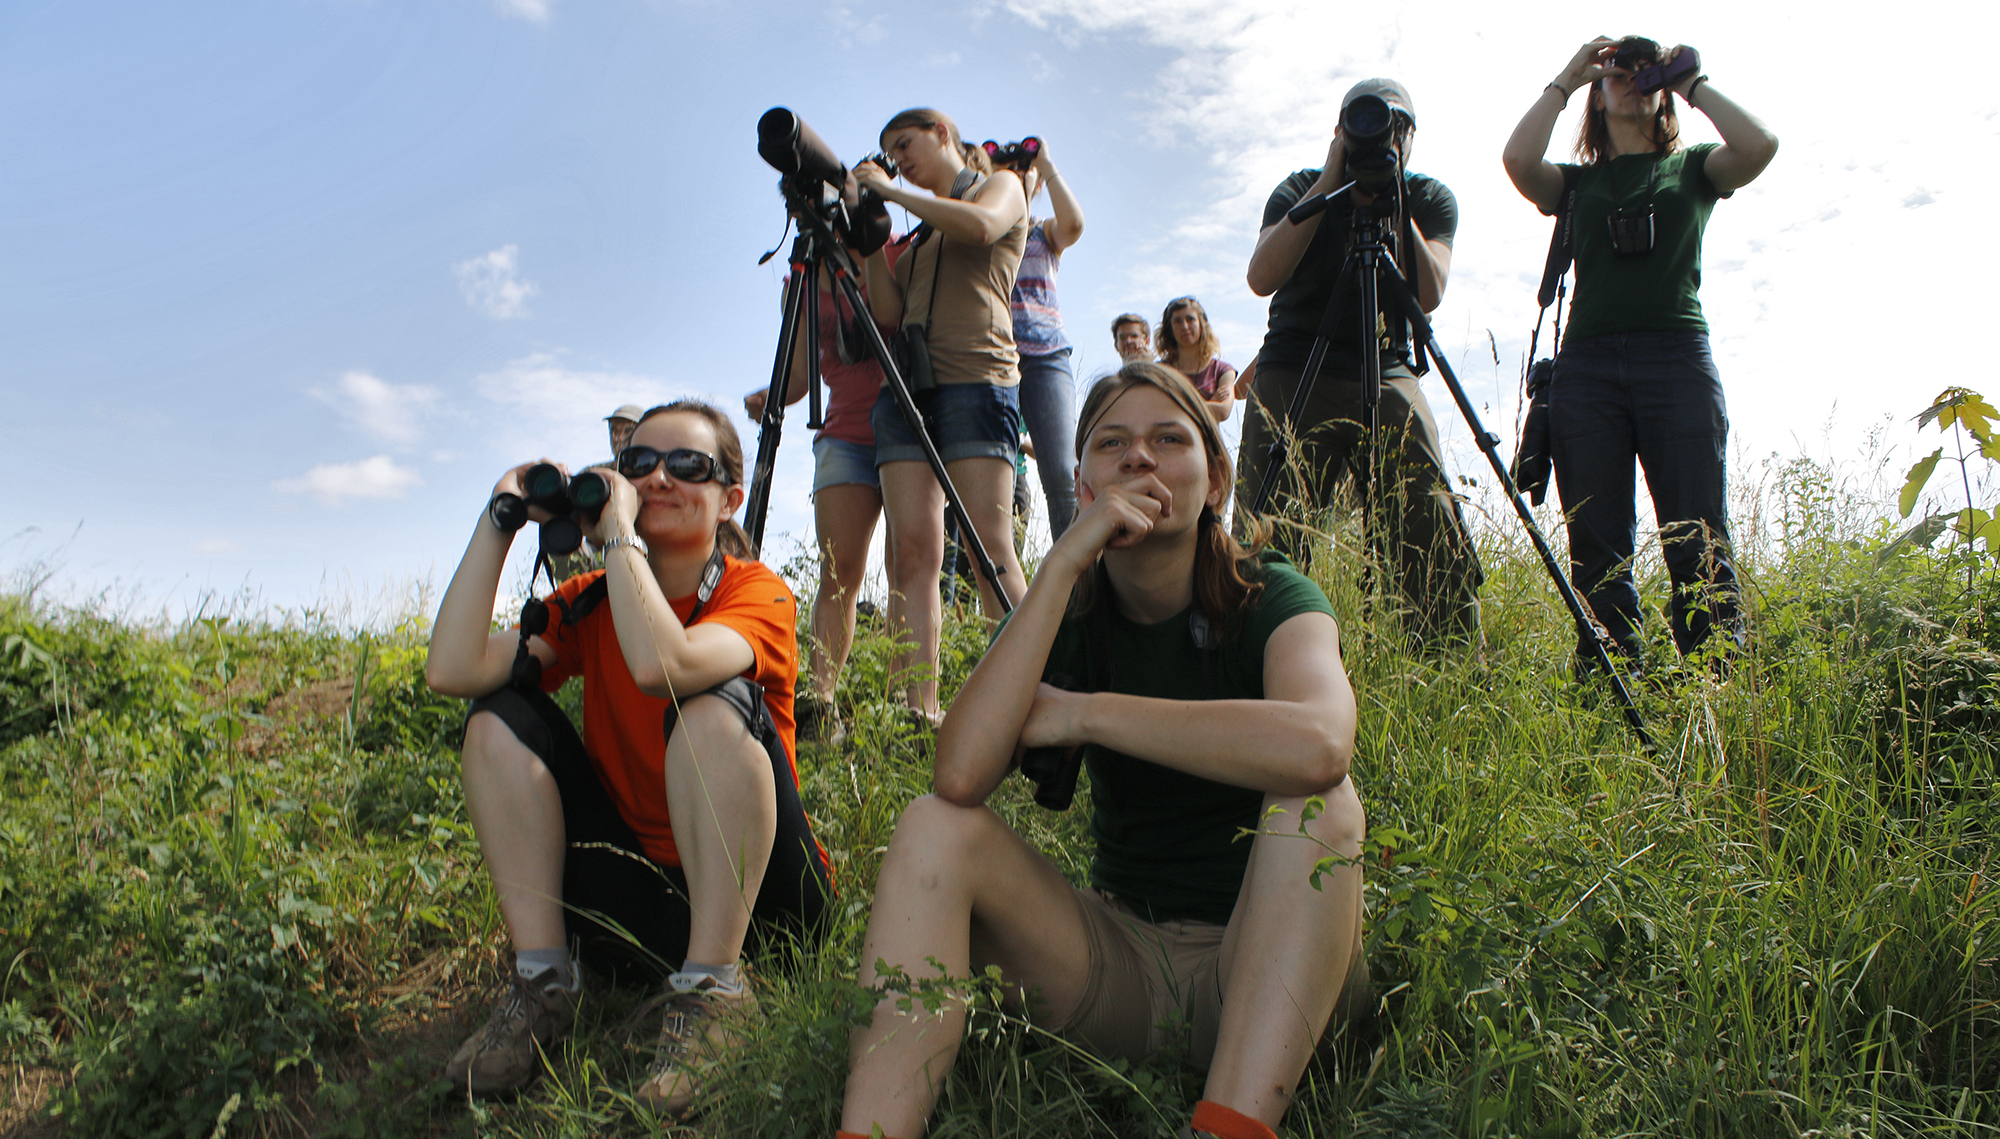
{"x": 1200, "y": 629}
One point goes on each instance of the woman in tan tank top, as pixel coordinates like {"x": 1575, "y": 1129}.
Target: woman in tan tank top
{"x": 955, "y": 279}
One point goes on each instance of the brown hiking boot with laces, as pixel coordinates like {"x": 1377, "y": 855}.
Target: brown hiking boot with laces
{"x": 505, "y": 1055}
{"x": 701, "y": 1023}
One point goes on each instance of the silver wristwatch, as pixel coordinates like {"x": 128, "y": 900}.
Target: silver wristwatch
{"x": 632, "y": 540}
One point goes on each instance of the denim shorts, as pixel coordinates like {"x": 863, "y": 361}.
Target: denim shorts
{"x": 965, "y": 421}
{"x": 837, "y": 462}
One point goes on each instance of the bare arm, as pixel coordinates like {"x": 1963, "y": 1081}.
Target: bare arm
{"x": 1297, "y": 740}
{"x": 667, "y": 659}
{"x": 466, "y": 657}
{"x": 1539, "y": 180}
{"x": 1281, "y": 244}
{"x": 1224, "y": 400}
{"x": 982, "y": 219}
{"x": 1431, "y": 263}
{"x": 1747, "y": 144}
{"x": 885, "y": 296}
{"x": 1067, "y": 225}
{"x": 976, "y": 743}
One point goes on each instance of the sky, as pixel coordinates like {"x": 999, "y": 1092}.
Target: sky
{"x": 286, "y": 285}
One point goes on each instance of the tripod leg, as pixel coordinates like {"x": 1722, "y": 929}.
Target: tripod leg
{"x": 803, "y": 282}
{"x": 1588, "y": 629}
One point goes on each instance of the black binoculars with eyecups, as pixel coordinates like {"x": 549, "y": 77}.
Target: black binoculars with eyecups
{"x": 1015, "y": 156}
{"x": 572, "y": 504}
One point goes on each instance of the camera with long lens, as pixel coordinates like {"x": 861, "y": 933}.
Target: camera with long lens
{"x": 815, "y": 179}
{"x": 1373, "y": 162}
{"x": 1015, "y": 156}
{"x": 571, "y": 503}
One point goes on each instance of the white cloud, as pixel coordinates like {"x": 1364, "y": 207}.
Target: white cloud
{"x": 333, "y": 484}
{"x": 1252, "y": 89}
{"x": 533, "y": 11}
{"x": 217, "y": 546}
{"x": 492, "y": 282}
{"x": 555, "y": 409}
{"x": 389, "y": 412}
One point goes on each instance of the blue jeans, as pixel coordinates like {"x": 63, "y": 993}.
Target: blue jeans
{"x": 964, "y": 421}
{"x": 1656, "y": 396}
{"x": 1048, "y": 403}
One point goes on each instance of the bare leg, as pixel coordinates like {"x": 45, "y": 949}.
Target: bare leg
{"x": 1288, "y": 950}
{"x": 913, "y": 503}
{"x": 725, "y": 816}
{"x": 986, "y": 486}
{"x": 517, "y": 814}
{"x": 960, "y": 886}
{"x": 845, "y": 519}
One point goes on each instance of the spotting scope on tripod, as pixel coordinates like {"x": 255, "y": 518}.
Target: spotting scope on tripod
{"x": 836, "y": 219}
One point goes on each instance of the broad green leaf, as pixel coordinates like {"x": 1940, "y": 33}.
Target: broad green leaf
{"x": 1914, "y": 485}
{"x": 1969, "y": 522}
{"x": 1976, "y": 414}
{"x": 1989, "y": 530}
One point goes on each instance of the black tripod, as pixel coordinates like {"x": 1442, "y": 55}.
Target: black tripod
{"x": 817, "y": 249}
{"x": 1371, "y": 268}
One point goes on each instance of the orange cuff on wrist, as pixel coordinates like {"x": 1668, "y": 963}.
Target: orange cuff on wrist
{"x": 1211, "y": 1118}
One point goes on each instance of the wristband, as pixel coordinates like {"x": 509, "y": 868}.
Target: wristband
{"x": 1559, "y": 87}
{"x": 1698, "y": 81}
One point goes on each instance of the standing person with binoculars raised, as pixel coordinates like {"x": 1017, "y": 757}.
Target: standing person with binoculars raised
{"x": 672, "y": 831}
{"x": 1419, "y": 527}
{"x": 1048, "y": 381}
{"x": 1208, "y": 699}
{"x": 1635, "y": 376}
{"x": 948, "y": 297}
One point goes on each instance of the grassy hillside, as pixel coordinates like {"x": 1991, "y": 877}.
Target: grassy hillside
{"x": 238, "y": 893}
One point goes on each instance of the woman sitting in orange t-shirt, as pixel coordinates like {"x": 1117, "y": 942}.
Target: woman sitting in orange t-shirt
{"x": 672, "y": 830}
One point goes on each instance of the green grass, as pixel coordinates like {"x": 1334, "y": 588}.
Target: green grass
{"x": 238, "y": 891}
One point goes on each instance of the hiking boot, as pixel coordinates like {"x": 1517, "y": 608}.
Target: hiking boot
{"x": 701, "y": 1024}
{"x": 505, "y": 1055}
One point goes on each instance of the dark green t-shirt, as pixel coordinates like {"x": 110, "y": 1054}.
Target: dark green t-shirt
{"x": 1167, "y": 842}
{"x": 1652, "y": 292}
{"x": 1300, "y": 303}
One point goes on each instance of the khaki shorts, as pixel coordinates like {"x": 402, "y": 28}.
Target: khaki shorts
{"x": 1151, "y": 984}
{"x": 1155, "y": 984}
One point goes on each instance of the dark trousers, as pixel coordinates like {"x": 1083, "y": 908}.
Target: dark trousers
{"x": 610, "y": 883}
{"x": 1418, "y": 524}
{"x": 1656, "y": 396}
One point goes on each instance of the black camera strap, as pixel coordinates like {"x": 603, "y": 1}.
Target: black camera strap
{"x": 1097, "y": 648}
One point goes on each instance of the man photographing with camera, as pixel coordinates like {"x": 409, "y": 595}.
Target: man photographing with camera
{"x": 1417, "y": 523}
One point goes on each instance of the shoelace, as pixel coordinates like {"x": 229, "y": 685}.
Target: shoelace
{"x": 682, "y": 1020}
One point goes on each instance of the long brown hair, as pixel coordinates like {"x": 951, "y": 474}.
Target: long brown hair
{"x": 1169, "y": 345}
{"x": 925, "y": 118}
{"x": 1225, "y": 573}
{"x": 729, "y": 536}
{"x": 1593, "y": 134}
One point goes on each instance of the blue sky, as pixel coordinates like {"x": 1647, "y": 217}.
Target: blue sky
{"x": 285, "y": 285}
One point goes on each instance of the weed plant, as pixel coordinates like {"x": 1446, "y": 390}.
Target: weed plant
{"x": 238, "y": 894}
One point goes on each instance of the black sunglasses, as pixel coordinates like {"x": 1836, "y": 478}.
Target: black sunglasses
{"x": 683, "y": 463}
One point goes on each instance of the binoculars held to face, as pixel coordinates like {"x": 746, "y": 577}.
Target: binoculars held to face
{"x": 1015, "y": 156}
{"x": 571, "y": 503}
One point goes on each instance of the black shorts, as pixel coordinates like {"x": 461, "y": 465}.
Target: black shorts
{"x": 611, "y": 885}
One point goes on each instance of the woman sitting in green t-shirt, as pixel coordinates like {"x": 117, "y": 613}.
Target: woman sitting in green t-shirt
{"x": 1211, "y": 691}
{"x": 1635, "y": 376}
